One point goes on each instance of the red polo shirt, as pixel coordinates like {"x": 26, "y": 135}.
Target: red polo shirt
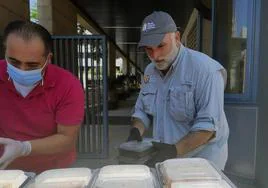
{"x": 60, "y": 100}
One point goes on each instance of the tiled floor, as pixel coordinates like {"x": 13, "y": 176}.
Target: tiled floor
{"x": 117, "y": 135}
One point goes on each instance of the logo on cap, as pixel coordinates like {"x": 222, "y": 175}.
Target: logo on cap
{"x": 148, "y": 26}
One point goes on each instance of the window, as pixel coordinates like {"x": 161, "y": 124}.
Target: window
{"x": 232, "y": 46}
{"x": 33, "y": 11}
{"x": 191, "y": 35}
{"x": 192, "y": 38}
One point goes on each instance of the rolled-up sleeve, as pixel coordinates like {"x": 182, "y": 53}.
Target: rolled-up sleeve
{"x": 209, "y": 102}
{"x": 139, "y": 112}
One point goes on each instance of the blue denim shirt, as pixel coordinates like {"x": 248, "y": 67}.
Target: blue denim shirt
{"x": 190, "y": 97}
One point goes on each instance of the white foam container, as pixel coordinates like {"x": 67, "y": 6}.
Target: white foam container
{"x": 125, "y": 176}
{"x": 190, "y": 173}
{"x": 65, "y": 177}
{"x": 14, "y": 178}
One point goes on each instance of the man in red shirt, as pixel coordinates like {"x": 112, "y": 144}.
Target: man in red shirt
{"x": 41, "y": 105}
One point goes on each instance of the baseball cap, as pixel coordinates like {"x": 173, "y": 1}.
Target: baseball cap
{"x": 154, "y": 28}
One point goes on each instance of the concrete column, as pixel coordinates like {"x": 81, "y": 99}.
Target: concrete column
{"x": 128, "y": 67}
{"x": 44, "y": 14}
{"x": 58, "y": 17}
{"x": 128, "y": 63}
{"x": 64, "y": 18}
{"x": 111, "y": 61}
{"x": 125, "y": 65}
{"x": 11, "y": 10}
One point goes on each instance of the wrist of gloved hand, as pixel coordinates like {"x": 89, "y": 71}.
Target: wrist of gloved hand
{"x": 12, "y": 150}
{"x": 134, "y": 134}
{"x": 168, "y": 150}
{"x": 163, "y": 152}
{"x": 26, "y": 148}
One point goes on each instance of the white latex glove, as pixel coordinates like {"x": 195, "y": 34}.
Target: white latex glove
{"x": 12, "y": 150}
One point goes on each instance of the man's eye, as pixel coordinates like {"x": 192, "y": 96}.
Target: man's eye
{"x": 15, "y": 64}
{"x": 33, "y": 66}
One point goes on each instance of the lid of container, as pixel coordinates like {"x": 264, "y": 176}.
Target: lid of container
{"x": 12, "y": 178}
{"x": 70, "y": 177}
{"x": 124, "y": 176}
{"x": 199, "y": 184}
{"x": 136, "y": 146}
{"x": 188, "y": 169}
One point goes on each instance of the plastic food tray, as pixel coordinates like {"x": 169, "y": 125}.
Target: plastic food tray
{"x": 74, "y": 184}
{"x": 189, "y": 179}
{"x": 28, "y": 175}
{"x": 121, "y": 180}
{"x": 137, "y": 146}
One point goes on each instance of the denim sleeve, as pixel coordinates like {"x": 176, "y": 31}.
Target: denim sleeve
{"x": 209, "y": 102}
{"x": 140, "y": 114}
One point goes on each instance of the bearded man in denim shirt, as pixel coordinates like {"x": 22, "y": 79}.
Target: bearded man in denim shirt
{"x": 182, "y": 96}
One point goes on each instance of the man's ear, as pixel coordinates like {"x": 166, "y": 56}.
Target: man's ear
{"x": 178, "y": 37}
{"x": 49, "y": 57}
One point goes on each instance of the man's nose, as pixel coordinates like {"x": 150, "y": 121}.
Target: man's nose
{"x": 155, "y": 55}
{"x": 23, "y": 67}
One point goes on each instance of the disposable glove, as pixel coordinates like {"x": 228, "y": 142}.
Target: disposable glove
{"x": 134, "y": 134}
{"x": 12, "y": 150}
{"x": 163, "y": 152}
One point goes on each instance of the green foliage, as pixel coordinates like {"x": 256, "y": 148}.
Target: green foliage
{"x": 33, "y": 11}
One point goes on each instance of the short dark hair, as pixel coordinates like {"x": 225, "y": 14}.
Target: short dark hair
{"x": 27, "y": 30}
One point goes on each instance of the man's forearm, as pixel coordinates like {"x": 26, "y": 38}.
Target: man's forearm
{"x": 52, "y": 144}
{"x": 192, "y": 141}
{"x": 136, "y": 122}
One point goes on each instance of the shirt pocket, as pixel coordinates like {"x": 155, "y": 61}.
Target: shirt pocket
{"x": 148, "y": 99}
{"x": 181, "y": 104}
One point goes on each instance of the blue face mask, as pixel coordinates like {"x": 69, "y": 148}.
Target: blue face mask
{"x": 27, "y": 78}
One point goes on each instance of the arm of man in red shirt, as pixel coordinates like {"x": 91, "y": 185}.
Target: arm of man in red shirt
{"x": 64, "y": 140}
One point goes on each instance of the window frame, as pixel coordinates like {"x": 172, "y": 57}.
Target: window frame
{"x": 253, "y": 17}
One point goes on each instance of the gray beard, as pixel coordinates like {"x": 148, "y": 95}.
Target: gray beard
{"x": 165, "y": 64}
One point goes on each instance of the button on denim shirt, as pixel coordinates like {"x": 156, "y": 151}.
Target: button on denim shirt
{"x": 190, "y": 97}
